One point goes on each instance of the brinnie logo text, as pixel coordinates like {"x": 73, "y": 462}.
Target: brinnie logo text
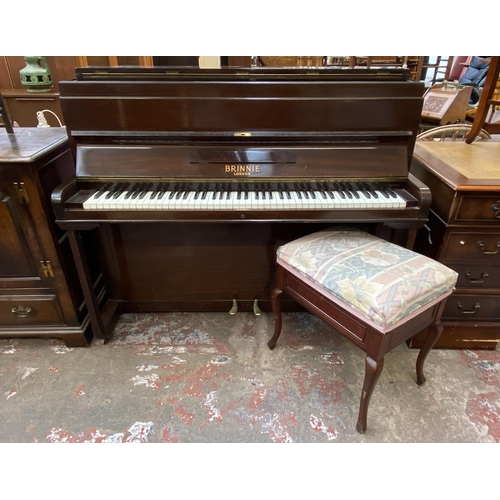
{"x": 244, "y": 170}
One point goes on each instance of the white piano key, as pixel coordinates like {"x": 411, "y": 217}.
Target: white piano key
{"x": 116, "y": 203}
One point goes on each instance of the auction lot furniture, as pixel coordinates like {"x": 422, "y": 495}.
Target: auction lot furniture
{"x": 463, "y": 233}
{"x": 375, "y": 293}
{"x": 39, "y": 291}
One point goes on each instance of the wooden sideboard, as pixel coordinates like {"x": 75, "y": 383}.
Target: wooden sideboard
{"x": 463, "y": 233}
{"x": 40, "y": 295}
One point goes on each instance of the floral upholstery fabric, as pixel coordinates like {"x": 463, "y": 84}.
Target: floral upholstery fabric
{"x": 382, "y": 281}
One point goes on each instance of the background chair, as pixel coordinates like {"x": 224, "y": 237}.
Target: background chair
{"x": 486, "y": 115}
{"x": 475, "y": 76}
{"x": 459, "y": 132}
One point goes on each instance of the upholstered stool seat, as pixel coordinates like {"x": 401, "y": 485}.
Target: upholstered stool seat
{"x": 375, "y": 293}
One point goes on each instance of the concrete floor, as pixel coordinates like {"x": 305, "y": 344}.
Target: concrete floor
{"x": 210, "y": 378}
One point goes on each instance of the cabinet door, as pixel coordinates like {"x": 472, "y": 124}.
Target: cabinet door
{"x": 21, "y": 257}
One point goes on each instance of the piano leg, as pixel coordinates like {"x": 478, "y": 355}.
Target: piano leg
{"x": 86, "y": 283}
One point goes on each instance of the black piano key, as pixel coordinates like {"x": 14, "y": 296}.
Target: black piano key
{"x": 215, "y": 191}
{"x": 361, "y": 187}
{"x": 355, "y": 194}
{"x": 131, "y": 191}
{"x": 391, "y": 193}
{"x": 269, "y": 190}
{"x": 102, "y": 190}
{"x": 280, "y": 191}
{"x": 138, "y": 190}
{"x": 161, "y": 194}
{"x": 121, "y": 190}
{"x": 155, "y": 192}
{"x": 382, "y": 190}
{"x": 310, "y": 190}
{"x": 112, "y": 191}
{"x": 344, "y": 190}
{"x": 328, "y": 190}
{"x": 145, "y": 190}
{"x": 372, "y": 189}
{"x": 180, "y": 191}
{"x": 322, "y": 191}
{"x": 187, "y": 191}
{"x": 338, "y": 190}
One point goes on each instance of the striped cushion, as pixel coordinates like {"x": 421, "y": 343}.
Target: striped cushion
{"x": 380, "y": 281}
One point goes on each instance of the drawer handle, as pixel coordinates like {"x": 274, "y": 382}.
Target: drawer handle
{"x": 484, "y": 274}
{"x": 461, "y": 309}
{"x": 21, "y": 311}
{"x": 496, "y": 209}
{"x": 481, "y": 247}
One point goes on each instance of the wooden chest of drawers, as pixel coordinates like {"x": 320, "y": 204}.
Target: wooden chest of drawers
{"x": 463, "y": 233}
{"x": 40, "y": 295}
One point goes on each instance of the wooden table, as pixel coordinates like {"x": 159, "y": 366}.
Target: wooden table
{"x": 463, "y": 233}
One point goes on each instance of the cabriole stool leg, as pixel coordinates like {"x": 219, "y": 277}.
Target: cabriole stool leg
{"x": 276, "y": 305}
{"x": 373, "y": 369}
{"x": 435, "y": 332}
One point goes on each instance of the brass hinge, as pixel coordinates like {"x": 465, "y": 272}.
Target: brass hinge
{"x": 21, "y": 192}
{"x": 47, "y": 268}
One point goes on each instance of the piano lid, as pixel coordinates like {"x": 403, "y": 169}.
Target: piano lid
{"x": 134, "y": 73}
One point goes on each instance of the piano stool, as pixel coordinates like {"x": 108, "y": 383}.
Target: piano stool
{"x": 375, "y": 293}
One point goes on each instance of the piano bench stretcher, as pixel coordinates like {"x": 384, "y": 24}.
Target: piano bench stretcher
{"x": 375, "y": 293}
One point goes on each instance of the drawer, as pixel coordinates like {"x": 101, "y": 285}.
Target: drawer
{"x": 472, "y": 307}
{"x": 308, "y": 297}
{"x": 471, "y": 245}
{"x": 477, "y": 276}
{"x": 20, "y": 310}
{"x": 478, "y": 208}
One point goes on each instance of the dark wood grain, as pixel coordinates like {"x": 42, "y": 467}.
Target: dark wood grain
{"x": 463, "y": 233}
{"x": 171, "y": 124}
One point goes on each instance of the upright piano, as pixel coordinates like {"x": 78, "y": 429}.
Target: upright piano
{"x": 187, "y": 179}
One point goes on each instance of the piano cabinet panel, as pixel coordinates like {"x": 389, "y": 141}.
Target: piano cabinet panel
{"x": 194, "y": 266}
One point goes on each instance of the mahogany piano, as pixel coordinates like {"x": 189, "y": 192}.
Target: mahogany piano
{"x": 187, "y": 180}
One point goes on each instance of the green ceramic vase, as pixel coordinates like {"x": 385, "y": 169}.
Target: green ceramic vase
{"x": 36, "y": 75}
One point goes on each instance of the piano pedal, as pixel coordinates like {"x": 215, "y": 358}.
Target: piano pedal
{"x": 256, "y": 309}
{"x": 233, "y": 309}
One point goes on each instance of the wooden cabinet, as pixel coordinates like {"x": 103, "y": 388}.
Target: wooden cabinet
{"x": 22, "y": 107}
{"x": 39, "y": 291}
{"x": 463, "y": 233}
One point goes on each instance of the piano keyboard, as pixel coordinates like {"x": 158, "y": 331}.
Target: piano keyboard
{"x": 247, "y": 196}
